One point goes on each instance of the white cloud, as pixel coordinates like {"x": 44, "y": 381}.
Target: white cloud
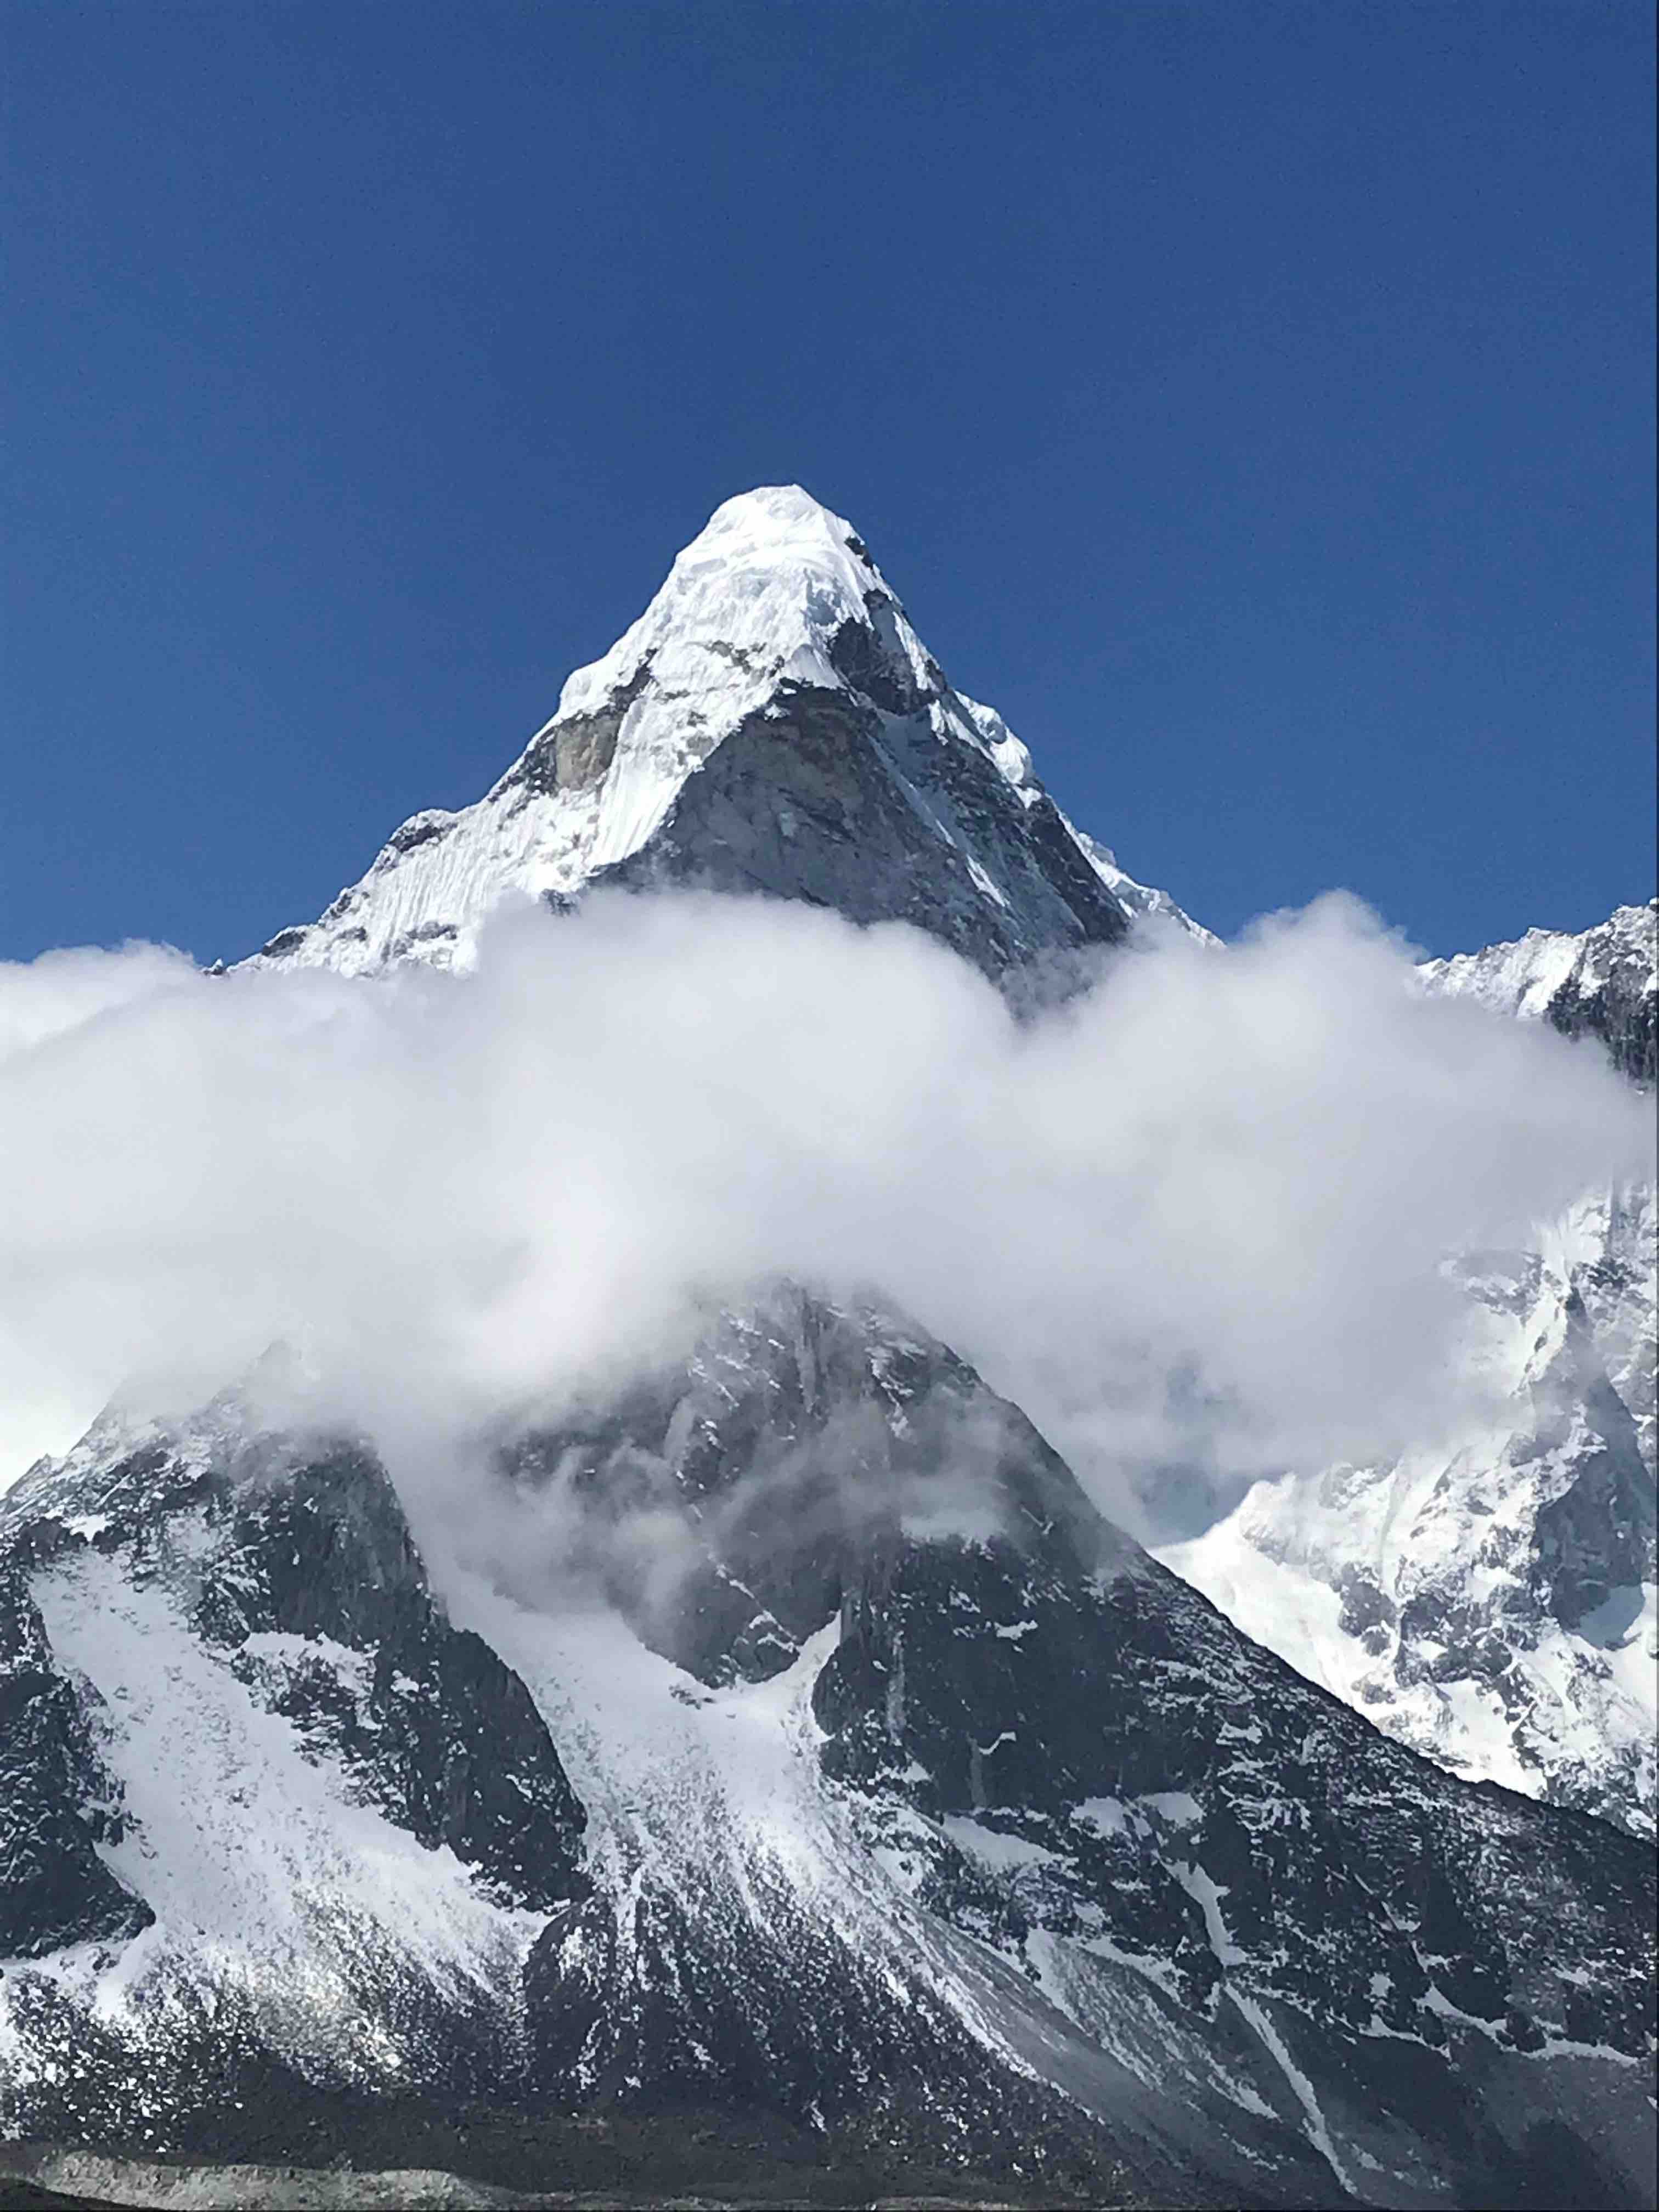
{"x": 40, "y": 998}
{"x": 1195, "y": 1217}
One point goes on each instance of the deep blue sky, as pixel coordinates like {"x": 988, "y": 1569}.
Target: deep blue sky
{"x": 1252, "y": 402}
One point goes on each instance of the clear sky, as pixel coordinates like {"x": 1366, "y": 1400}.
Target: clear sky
{"x": 1254, "y": 403}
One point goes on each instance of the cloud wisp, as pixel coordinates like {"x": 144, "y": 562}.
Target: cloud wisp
{"x": 1195, "y": 1218}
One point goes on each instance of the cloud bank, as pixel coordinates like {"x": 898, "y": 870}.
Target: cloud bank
{"x": 1192, "y": 1221}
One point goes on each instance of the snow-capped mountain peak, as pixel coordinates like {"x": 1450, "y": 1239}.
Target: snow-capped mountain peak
{"x": 765, "y": 588}
{"x": 771, "y": 723}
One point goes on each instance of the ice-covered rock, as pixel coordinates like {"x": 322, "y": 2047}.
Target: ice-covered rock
{"x": 1603, "y": 982}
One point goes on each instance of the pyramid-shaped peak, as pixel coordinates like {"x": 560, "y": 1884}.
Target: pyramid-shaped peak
{"x": 775, "y": 519}
{"x": 781, "y": 531}
{"x": 764, "y": 591}
{"x": 771, "y": 723}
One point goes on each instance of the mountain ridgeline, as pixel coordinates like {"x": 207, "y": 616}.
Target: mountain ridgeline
{"x": 1599, "y": 984}
{"x": 771, "y": 724}
{"x": 820, "y": 1772}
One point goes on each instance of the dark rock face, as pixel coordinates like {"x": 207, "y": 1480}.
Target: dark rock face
{"x": 420, "y": 829}
{"x": 294, "y": 1560}
{"x": 446, "y": 1738}
{"x": 1367, "y": 1611}
{"x": 577, "y": 750}
{"x": 783, "y": 1488}
{"x": 57, "y": 1802}
{"x": 800, "y": 2025}
{"x": 1091, "y": 1774}
{"x": 1599, "y": 1533}
{"x": 1352, "y": 1883}
{"x": 1613, "y": 998}
{"x": 285, "y": 942}
{"x": 843, "y": 800}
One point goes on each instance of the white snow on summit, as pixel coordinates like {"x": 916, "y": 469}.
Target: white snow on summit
{"x": 763, "y": 589}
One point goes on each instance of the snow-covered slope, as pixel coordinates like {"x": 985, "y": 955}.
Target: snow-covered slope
{"x": 1604, "y": 981}
{"x": 1489, "y": 1597}
{"x": 772, "y": 722}
{"x": 914, "y": 1799}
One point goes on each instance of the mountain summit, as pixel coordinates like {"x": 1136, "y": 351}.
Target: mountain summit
{"x": 771, "y": 723}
